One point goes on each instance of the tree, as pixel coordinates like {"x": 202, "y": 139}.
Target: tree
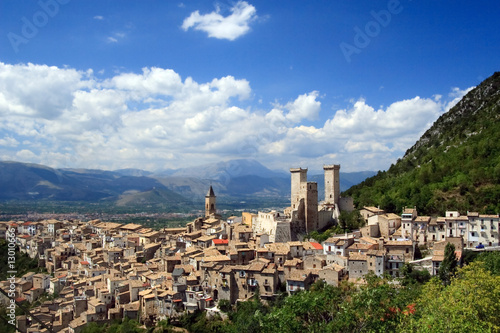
{"x": 225, "y": 305}
{"x": 448, "y": 266}
{"x": 412, "y": 275}
{"x": 491, "y": 261}
{"x": 468, "y": 304}
{"x": 351, "y": 220}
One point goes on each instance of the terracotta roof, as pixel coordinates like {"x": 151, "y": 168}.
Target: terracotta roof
{"x": 317, "y": 246}
{"x": 220, "y": 241}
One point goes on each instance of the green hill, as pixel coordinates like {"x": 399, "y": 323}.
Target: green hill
{"x": 455, "y": 165}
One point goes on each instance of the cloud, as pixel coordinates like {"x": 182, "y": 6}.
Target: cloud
{"x": 99, "y": 17}
{"x": 217, "y": 26}
{"x": 156, "y": 119}
{"x": 116, "y": 37}
{"x": 9, "y": 142}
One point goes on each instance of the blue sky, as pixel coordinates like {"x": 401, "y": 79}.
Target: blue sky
{"x": 168, "y": 84}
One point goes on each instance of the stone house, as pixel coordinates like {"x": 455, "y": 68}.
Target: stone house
{"x": 357, "y": 266}
{"x": 397, "y": 253}
{"x": 337, "y": 245}
{"x": 299, "y": 281}
{"x": 407, "y": 226}
{"x": 332, "y": 274}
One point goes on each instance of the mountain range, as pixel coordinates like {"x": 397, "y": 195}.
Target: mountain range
{"x": 239, "y": 179}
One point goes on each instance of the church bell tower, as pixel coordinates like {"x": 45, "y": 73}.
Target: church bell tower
{"x": 210, "y": 202}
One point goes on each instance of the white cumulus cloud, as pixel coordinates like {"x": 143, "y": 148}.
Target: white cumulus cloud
{"x": 223, "y": 27}
{"x": 156, "y": 119}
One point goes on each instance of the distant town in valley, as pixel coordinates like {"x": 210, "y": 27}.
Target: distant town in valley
{"x": 93, "y": 270}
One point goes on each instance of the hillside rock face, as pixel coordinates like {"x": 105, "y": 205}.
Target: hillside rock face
{"x": 455, "y": 165}
{"x": 480, "y": 105}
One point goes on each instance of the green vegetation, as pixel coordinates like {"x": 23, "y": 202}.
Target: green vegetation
{"x": 5, "y": 327}
{"x": 121, "y": 326}
{"x": 412, "y": 275}
{"x": 468, "y": 304}
{"x": 23, "y": 264}
{"x": 448, "y": 266}
{"x": 455, "y": 164}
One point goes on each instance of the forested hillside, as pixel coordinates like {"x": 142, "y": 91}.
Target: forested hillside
{"x": 455, "y": 165}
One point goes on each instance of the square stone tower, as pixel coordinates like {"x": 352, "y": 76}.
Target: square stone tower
{"x": 332, "y": 183}
{"x": 311, "y": 206}
{"x": 298, "y": 177}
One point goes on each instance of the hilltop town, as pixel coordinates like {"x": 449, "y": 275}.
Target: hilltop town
{"x": 97, "y": 271}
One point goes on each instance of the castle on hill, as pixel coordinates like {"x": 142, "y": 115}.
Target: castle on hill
{"x": 305, "y": 213}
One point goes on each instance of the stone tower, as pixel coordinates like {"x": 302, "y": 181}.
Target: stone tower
{"x": 311, "y": 206}
{"x": 210, "y": 202}
{"x": 298, "y": 177}
{"x": 332, "y": 183}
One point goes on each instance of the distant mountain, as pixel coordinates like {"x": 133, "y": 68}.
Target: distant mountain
{"x": 134, "y": 172}
{"x": 243, "y": 178}
{"x": 155, "y": 196}
{"x": 224, "y": 171}
{"x": 21, "y": 181}
{"x": 232, "y": 181}
{"x": 455, "y": 165}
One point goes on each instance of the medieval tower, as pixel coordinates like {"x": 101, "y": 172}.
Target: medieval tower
{"x": 305, "y": 213}
{"x": 304, "y": 199}
{"x": 298, "y": 177}
{"x": 210, "y": 202}
{"x": 311, "y": 206}
{"x": 332, "y": 184}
